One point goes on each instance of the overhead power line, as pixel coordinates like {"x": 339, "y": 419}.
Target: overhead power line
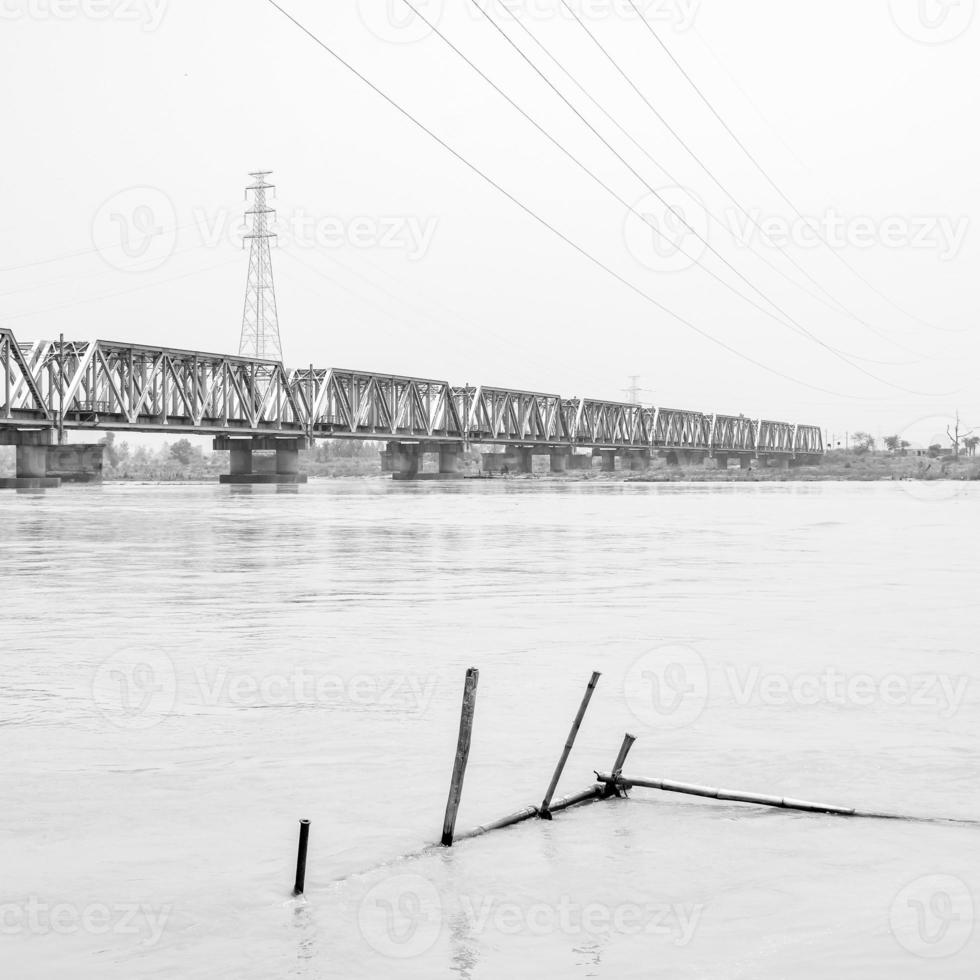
{"x": 827, "y": 299}
{"x": 772, "y": 183}
{"x": 697, "y": 159}
{"x": 788, "y": 320}
{"x": 581, "y": 250}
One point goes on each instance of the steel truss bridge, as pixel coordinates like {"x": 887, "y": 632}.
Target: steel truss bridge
{"x": 105, "y": 386}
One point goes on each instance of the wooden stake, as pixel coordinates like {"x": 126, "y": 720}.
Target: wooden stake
{"x": 304, "y": 837}
{"x": 462, "y": 755}
{"x": 544, "y": 810}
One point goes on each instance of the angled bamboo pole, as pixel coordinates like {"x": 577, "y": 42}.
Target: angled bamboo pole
{"x": 610, "y": 788}
{"x": 462, "y": 755}
{"x": 589, "y": 795}
{"x": 713, "y": 793}
{"x": 544, "y": 809}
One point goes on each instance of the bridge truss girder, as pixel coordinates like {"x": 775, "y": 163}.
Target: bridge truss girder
{"x": 115, "y": 386}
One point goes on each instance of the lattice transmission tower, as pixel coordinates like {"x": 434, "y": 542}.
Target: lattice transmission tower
{"x": 260, "y": 321}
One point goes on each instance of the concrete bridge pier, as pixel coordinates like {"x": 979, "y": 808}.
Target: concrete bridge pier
{"x": 608, "y": 457}
{"x": 745, "y": 461}
{"x": 780, "y": 462}
{"x": 245, "y": 467}
{"x": 638, "y": 459}
{"x": 579, "y": 461}
{"x": 719, "y": 461}
{"x": 450, "y": 458}
{"x": 404, "y": 460}
{"x": 518, "y": 459}
{"x": 41, "y": 465}
{"x": 560, "y": 459}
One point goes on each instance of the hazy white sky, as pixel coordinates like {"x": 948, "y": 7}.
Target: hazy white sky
{"x": 130, "y": 125}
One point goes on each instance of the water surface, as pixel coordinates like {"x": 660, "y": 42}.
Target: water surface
{"x": 189, "y": 670}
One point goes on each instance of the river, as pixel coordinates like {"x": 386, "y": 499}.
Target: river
{"x": 189, "y": 670}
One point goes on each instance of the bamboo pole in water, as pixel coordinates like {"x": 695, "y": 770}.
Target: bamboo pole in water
{"x": 569, "y": 742}
{"x": 611, "y": 789}
{"x": 462, "y": 755}
{"x": 509, "y": 820}
{"x": 589, "y": 795}
{"x": 694, "y": 789}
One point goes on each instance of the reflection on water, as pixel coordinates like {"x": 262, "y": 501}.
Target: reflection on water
{"x": 189, "y": 670}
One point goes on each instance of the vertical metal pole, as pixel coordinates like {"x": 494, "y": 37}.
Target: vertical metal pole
{"x": 7, "y": 369}
{"x": 570, "y": 741}
{"x": 462, "y": 755}
{"x": 304, "y": 837}
{"x": 309, "y": 404}
{"x": 61, "y": 389}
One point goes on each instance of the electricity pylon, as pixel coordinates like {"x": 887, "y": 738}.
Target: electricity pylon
{"x": 260, "y": 321}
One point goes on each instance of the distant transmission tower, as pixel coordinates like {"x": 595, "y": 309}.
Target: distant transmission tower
{"x": 634, "y": 390}
{"x": 260, "y": 321}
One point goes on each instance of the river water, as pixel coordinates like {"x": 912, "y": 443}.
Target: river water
{"x": 189, "y": 670}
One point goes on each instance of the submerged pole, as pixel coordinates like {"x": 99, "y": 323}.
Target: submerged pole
{"x": 304, "y": 837}
{"x": 544, "y": 809}
{"x": 462, "y": 755}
